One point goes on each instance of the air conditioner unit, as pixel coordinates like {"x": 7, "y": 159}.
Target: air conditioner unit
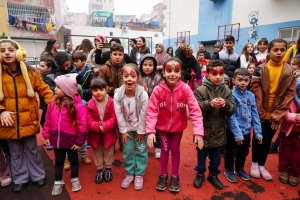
{"x": 155, "y": 34}
{"x": 124, "y": 28}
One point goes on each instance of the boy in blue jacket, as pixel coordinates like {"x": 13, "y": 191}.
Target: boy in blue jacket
{"x": 240, "y": 123}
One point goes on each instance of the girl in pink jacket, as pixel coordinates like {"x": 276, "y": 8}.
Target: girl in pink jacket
{"x": 65, "y": 129}
{"x": 167, "y": 112}
{"x": 102, "y": 133}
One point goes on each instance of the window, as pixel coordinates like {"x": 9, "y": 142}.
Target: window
{"x": 289, "y": 34}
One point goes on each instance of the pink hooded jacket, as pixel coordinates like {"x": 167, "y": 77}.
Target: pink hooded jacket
{"x": 167, "y": 109}
{"x": 289, "y": 119}
{"x": 109, "y": 124}
{"x": 59, "y": 129}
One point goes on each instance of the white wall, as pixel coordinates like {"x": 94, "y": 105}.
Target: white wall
{"x": 281, "y": 11}
{"x": 180, "y": 16}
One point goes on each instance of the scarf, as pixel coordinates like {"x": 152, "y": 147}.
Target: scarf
{"x": 162, "y": 56}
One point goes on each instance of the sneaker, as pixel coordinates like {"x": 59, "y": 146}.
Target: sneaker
{"x": 174, "y": 185}
{"x": 273, "y": 148}
{"x": 108, "y": 175}
{"x": 138, "y": 182}
{"x": 283, "y": 177}
{"x": 254, "y": 171}
{"x": 99, "y": 177}
{"x": 230, "y": 176}
{"x": 75, "y": 184}
{"x": 157, "y": 153}
{"x": 57, "y": 188}
{"x": 6, "y": 182}
{"x": 293, "y": 181}
{"x": 162, "y": 182}
{"x": 127, "y": 181}
{"x": 67, "y": 165}
{"x": 88, "y": 145}
{"x": 215, "y": 181}
{"x": 50, "y": 147}
{"x": 198, "y": 180}
{"x": 86, "y": 160}
{"x": 241, "y": 173}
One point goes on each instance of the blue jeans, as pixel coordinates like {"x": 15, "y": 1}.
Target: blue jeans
{"x": 215, "y": 160}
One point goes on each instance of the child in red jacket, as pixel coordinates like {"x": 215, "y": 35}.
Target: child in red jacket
{"x": 102, "y": 133}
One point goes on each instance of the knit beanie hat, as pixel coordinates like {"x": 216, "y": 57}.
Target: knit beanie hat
{"x": 133, "y": 40}
{"x": 186, "y": 49}
{"x": 20, "y": 55}
{"x": 68, "y": 84}
{"x": 101, "y": 38}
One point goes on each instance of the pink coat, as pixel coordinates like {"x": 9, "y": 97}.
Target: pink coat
{"x": 60, "y": 130}
{"x": 191, "y": 82}
{"x": 109, "y": 124}
{"x": 290, "y": 119}
{"x": 167, "y": 109}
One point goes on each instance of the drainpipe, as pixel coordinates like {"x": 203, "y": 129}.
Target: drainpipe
{"x": 169, "y": 23}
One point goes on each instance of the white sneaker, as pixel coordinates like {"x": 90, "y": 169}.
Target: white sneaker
{"x": 75, "y": 184}
{"x": 157, "y": 152}
{"x": 6, "y": 182}
{"x": 57, "y": 188}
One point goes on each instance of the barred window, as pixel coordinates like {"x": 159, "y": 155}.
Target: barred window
{"x": 289, "y": 34}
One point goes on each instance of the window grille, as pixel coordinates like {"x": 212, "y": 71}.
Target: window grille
{"x": 289, "y": 34}
{"x": 29, "y": 13}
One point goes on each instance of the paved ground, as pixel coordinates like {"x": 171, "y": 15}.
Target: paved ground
{"x": 243, "y": 190}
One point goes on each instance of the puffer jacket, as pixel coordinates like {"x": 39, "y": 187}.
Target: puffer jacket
{"x": 214, "y": 122}
{"x": 59, "y": 128}
{"x": 26, "y": 110}
{"x": 167, "y": 109}
{"x": 109, "y": 124}
{"x": 48, "y": 78}
{"x": 112, "y": 75}
{"x": 231, "y": 61}
{"x": 260, "y": 87}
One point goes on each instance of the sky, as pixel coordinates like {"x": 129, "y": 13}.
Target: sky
{"x": 129, "y": 7}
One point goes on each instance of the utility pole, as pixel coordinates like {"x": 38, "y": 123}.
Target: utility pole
{"x": 4, "y": 28}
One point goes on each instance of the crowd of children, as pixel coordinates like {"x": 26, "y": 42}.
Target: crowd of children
{"x": 146, "y": 106}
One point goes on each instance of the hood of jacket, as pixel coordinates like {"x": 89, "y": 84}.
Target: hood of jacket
{"x": 148, "y": 56}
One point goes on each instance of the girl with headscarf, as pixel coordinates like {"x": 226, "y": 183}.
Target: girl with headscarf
{"x": 160, "y": 56}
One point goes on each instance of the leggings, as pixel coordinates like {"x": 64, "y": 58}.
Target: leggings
{"x": 170, "y": 141}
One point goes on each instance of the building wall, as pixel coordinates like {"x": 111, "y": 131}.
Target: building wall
{"x": 107, "y": 5}
{"x": 77, "y": 19}
{"x": 158, "y": 12}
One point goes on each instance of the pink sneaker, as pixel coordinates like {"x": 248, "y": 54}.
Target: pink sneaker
{"x": 265, "y": 174}
{"x": 6, "y": 182}
{"x": 127, "y": 181}
{"x": 138, "y": 182}
{"x": 254, "y": 172}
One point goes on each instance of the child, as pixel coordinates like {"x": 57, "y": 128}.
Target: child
{"x": 131, "y": 102}
{"x": 289, "y": 160}
{"x": 150, "y": 77}
{"x": 240, "y": 124}
{"x": 226, "y": 81}
{"x": 250, "y": 68}
{"x": 102, "y": 133}
{"x": 273, "y": 85}
{"x": 5, "y": 179}
{"x": 201, "y": 59}
{"x": 215, "y": 101}
{"x": 172, "y": 96}
{"x": 262, "y": 53}
{"x": 65, "y": 129}
{"x": 19, "y": 108}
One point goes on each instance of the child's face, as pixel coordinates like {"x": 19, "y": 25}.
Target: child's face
{"x": 262, "y": 47}
{"x": 130, "y": 79}
{"x": 251, "y": 69}
{"x": 249, "y": 48}
{"x": 99, "y": 94}
{"x": 79, "y": 64}
{"x": 293, "y": 63}
{"x": 44, "y": 68}
{"x": 148, "y": 66}
{"x": 58, "y": 92}
{"x": 172, "y": 73}
{"x": 276, "y": 53}
{"x": 226, "y": 83}
{"x": 8, "y": 53}
{"x": 229, "y": 45}
{"x": 216, "y": 75}
{"x": 241, "y": 81}
{"x": 200, "y": 56}
{"x": 117, "y": 57}
{"x": 158, "y": 49}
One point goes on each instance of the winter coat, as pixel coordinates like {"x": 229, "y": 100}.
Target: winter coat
{"x": 260, "y": 87}
{"x": 48, "y": 78}
{"x": 214, "y": 122}
{"x": 91, "y": 59}
{"x": 26, "y": 116}
{"x": 167, "y": 109}
{"x": 187, "y": 65}
{"x": 84, "y": 79}
{"x": 60, "y": 129}
{"x": 112, "y": 75}
{"x": 290, "y": 53}
{"x": 231, "y": 61}
{"x": 141, "y": 100}
{"x": 109, "y": 123}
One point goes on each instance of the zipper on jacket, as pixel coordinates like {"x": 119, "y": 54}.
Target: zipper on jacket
{"x": 171, "y": 111}
{"x": 17, "y": 108}
{"x": 58, "y": 129}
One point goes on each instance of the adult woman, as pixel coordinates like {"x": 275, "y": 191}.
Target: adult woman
{"x": 247, "y": 56}
{"x": 86, "y": 46}
{"x": 51, "y": 49}
{"x": 91, "y": 59}
{"x": 292, "y": 51}
{"x": 140, "y": 50}
{"x": 160, "y": 56}
{"x": 170, "y": 51}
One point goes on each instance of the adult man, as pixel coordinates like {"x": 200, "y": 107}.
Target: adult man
{"x": 206, "y": 53}
{"x": 69, "y": 48}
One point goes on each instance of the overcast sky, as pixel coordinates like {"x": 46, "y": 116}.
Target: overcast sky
{"x": 129, "y": 7}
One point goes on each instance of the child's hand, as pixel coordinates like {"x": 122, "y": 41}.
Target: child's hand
{"x": 151, "y": 140}
{"x": 47, "y": 142}
{"x": 124, "y": 138}
{"x": 6, "y": 119}
{"x": 198, "y": 140}
{"x": 75, "y": 147}
{"x": 221, "y": 102}
{"x": 239, "y": 142}
{"x": 259, "y": 141}
{"x": 275, "y": 125}
{"x": 101, "y": 128}
{"x": 140, "y": 137}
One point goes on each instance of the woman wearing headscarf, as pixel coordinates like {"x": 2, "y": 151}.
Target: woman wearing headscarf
{"x": 140, "y": 50}
{"x": 160, "y": 56}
